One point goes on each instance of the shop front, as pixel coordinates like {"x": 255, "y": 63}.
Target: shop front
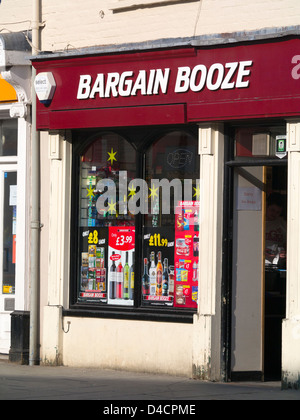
{"x": 15, "y": 74}
{"x": 8, "y": 176}
{"x": 145, "y": 148}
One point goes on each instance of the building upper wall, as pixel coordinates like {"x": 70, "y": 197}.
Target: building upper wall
{"x": 69, "y": 25}
{"x": 15, "y": 15}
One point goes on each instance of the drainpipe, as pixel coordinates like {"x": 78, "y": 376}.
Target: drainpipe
{"x": 34, "y": 354}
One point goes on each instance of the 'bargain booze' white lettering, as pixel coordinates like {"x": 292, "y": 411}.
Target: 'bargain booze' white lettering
{"x": 115, "y": 84}
{"x": 213, "y": 78}
{"x": 155, "y": 81}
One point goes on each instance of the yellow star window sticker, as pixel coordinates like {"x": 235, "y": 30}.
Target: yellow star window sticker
{"x": 197, "y": 192}
{"x": 90, "y": 191}
{"x": 111, "y": 155}
{"x": 132, "y": 191}
{"x": 112, "y": 207}
{"x": 153, "y": 192}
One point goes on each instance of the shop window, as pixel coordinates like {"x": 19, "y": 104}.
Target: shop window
{"x": 171, "y": 228}
{"x": 107, "y": 228}
{"x": 256, "y": 142}
{"x": 139, "y": 201}
{"x": 8, "y": 137}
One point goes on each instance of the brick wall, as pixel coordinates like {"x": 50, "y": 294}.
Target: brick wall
{"x": 70, "y": 24}
{"x": 94, "y": 23}
{"x": 15, "y": 15}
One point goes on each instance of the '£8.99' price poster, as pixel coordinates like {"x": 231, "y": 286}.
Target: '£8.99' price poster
{"x": 93, "y": 265}
{"x": 121, "y": 245}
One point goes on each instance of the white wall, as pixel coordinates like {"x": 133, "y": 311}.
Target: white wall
{"x": 291, "y": 325}
{"x": 155, "y": 347}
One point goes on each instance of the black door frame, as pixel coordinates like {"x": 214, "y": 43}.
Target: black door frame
{"x": 226, "y": 286}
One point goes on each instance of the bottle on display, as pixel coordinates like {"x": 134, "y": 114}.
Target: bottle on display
{"x": 179, "y": 225}
{"x": 196, "y": 246}
{"x": 131, "y": 278}
{"x": 196, "y": 221}
{"x": 126, "y": 278}
{"x": 101, "y": 257}
{"x": 159, "y": 270}
{"x": 171, "y": 281}
{"x": 195, "y": 271}
{"x": 102, "y": 271}
{"x": 145, "y": 279}
{"x": 186, "y": 221}
{"x": 165, "y": 279}
{"x": 120, "y": 281}
{"x": 92, "y": 279}
{"x": 152, "y": 274}
{"x": 113, "y": 280}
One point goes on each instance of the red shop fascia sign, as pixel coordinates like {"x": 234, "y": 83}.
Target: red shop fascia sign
{"x": 176, "y": 86}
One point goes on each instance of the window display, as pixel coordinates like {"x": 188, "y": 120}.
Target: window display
{"x": 165, "y": 192}
{"x": 102, "y": 243}
{"x": 172, "y": 161}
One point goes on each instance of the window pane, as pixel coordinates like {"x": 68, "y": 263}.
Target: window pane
{"x": 9, "y": 137}
{"x": 107, "y": 231}
{"x": 171, "y": 229}
{"x": 166, "y": 194}
{"x": 261, "y": 141}
{"x": 9, "y": 231}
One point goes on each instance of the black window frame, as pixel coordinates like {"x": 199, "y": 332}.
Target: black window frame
{"x": 141, "y": 138}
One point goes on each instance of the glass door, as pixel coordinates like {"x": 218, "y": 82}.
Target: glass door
{"x": 247, "y": 273}
{"x": 275, "y": 268}
{"x": 8, "y": 220}
{"x": 255, "y": 269}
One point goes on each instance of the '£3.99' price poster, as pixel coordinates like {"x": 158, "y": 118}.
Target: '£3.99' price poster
{"x": 121, "y": 245}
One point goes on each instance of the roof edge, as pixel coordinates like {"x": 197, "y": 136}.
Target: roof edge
{"x": 164, "y": 43}
{"x": 16, "y": 41}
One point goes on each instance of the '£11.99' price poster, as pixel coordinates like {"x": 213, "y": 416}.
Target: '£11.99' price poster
{"x": 121, "y": 245}
{"x": 186, "y": 254}
{"x": 158, "y": 269}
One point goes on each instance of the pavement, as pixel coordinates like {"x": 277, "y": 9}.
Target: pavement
{"x": 112, "y": 388}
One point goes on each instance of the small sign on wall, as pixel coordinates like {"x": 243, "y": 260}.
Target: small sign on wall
{"x": 249, "y": 198}
{"x": 280, "y": 150}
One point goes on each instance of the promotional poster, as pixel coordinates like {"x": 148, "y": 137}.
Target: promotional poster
{"x": 120, "y": 277}
{"x": 186, "y": 254}
{"x": 169, "y": 275}
{"x": 93, "y": 264}
{"x": 158, "y": 268}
